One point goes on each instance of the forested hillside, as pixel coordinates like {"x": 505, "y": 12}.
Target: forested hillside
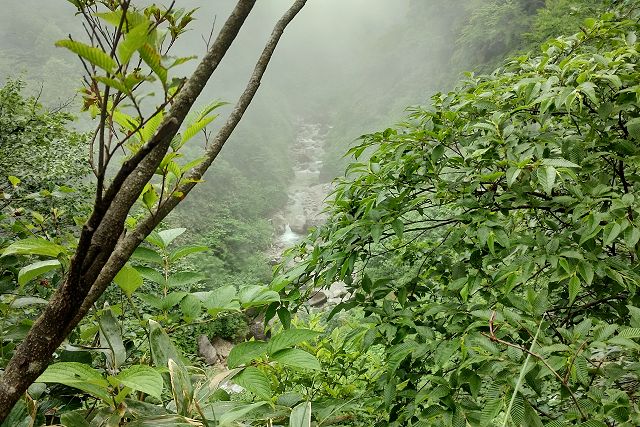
{"x": 476, "y": 263}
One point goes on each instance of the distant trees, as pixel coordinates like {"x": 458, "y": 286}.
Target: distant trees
{"x": 493, "y": 241}
{"x": 128, "y": 55}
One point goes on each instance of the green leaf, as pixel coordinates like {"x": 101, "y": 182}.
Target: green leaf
{"x": 191, "y": 307}
{"x": 289, "y": 338}
{"x": 398, "y": 227}
{"x": 128, "y": 279}
{"x": 116, "y": 84}
{"x": 151, "y": 274}
{"x": 559, "y": 163}
{"x": 168, "y": 236}
{"x": 512, "y": 175}
{"x": 31, "y": 271}
{"x": 184, "y": 278}
{"x": 148, "y": 255}
{"x": 193, "y": 130}
{"x": 77, "y": 375}
{"x": 229, "y": 416}
{"x": 611, "y": 232}
{"x": 172, "y": 299}
{"x": 220, "y": 299}
{"x": 94, "y": 55}
{"x": 14, "y": 181}
{"x": 111, "y": 339}
{"x": 254, "y": 380}
{"x": 133, "y": 40}
{"x": 574, "y": 288}
{"x": 74, "y": 419}
{"x": 150, "y": 127}
{"x": 168, "y": 420}
{"x": 142, "y": 378}
{"x": 376, "y": 232}
{"x": 586, "y": 271}
{"x": 630, "y": 333}
{"x": 27, "y": 301}
{"x": 631, "y": 236}
{"x": 162, "y": 349}
{"x": 633, "y": 127}
{"x": 301, "y": 415}
{"x": 150, "y": 197}
{"x": 547, "y": 178}
{"x": 184, "y": 251}
{"x": 151, "y": 57}
{"x": 246, "y": 352}
{"x": 34, "y": 246}
{"x": 181, "y": 387}
{"x": 296, "y": 358}
{"x": 256, "y": 295}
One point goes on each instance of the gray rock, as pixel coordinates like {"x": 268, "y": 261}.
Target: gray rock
{"x": 207, "y": 351}
{"x": 318, "y": 299}
{"x": 223, "y": 347}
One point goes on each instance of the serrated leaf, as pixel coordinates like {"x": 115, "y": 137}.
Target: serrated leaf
{"x": 128, "y": 279}
{"x": 191, "y": 307}
{"x": 633, "y": 127}
{"x": 150, "y": 197}
{"x": 184, "y": 278}
{"x": 148, "y": 255}
{"x": 27, "y": 301}
{"x": 111, "y": 340}
{"x": 512, "y": 175}
{"x": 289, "y": 338}
{"x": 162, "y": 349}
{"x": 611, "y": 232}
{"x": 116, "y": 84}
{"x": 301, "y": 415}
{"x": 133, "y": 40}
{"x": 142, "y": 378}
{"x": 246, "y": 352}
{"x": 172, "y": 299}
{"x": 256, "y": 295}
{"x": 77, "y": 375}
{"x": 185, "y": 251}
{"x": 254, "y": 380}
{"x": 574, "y": 288}
{"x": 397, "y": 354}
{"x": 151, "y": 274}
{"x": 31, "y": 271}
{"x": 149, "y": 129}
{"x": 196, "y": 127}
{"x": 547, "y": 178}
{"x": 94, "y": 55}
{"x": 586, "y": 272}
{"x": 152, "y": 58}
{"x": 631, "y": 236}
{"x": 168, "y": 420}
{"x": 630, "y": 333}
{"x": 168, "y": 236}
{"x": 181, "y": 387}
{"x": 296, "y": 358}
{"x": 559, "y": 163}
{"x": 398, "y": 227}
{"x": 34, "y": 246}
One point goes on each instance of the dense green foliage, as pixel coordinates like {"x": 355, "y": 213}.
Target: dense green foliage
{"x": 490, "y": 245}
{"x": 492, "y": 242}
{"x": 36, "y": 145}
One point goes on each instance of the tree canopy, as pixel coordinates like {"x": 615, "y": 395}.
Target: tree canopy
{"x": 492, "y": 241}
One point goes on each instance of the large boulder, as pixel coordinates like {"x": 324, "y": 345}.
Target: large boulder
{"x": 207, "y": 351}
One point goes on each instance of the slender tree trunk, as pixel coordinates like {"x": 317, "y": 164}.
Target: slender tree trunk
{"x": 103, "y": 249}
